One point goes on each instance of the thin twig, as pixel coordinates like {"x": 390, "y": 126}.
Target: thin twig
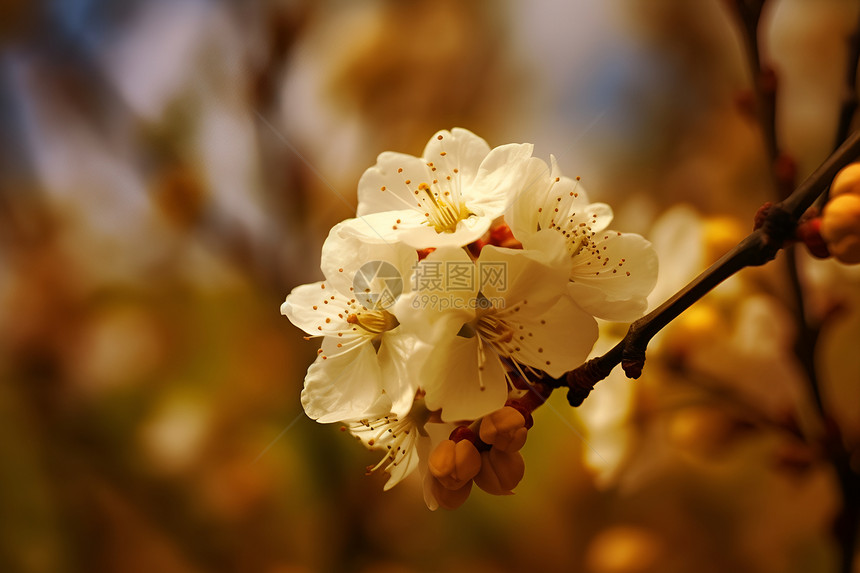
{"x": 756, "y": 249}
{"x": 783, "y": 173}
{"x": 849, "y": 97}
{"x": 848, "y": 107}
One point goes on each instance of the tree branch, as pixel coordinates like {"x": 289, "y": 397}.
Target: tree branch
{"x": 759, "y": 247}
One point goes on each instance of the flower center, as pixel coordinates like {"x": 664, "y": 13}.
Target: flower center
{"x": 494, "y": 331}
{"x": 576, "y": 238}
{"x": 397, "y": 435}
{"x": 442, "y": 214}
{"x": 374, "y": 321}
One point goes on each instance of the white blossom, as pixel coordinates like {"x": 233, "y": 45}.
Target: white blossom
{"x": 610, "y": 273}
{"x": 363, "y": 352}
{"x": 476, "y": 335}
{"x": 447, "y": 197}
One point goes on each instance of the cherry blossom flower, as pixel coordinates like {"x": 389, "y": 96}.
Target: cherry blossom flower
{"x": 610, "y": 273}
{"x": 363, "y": 353}
{"x": 435, "y": 310}
{"x": 403, "y": 438}
{"x": 476, "y": 334}
{"x": 447, "y": 197}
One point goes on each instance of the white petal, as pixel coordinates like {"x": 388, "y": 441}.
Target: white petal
{"x": 565, "y": 204}
{"x": 548, "y": 247}
{"x": 598, "y": 216}
{"x": 555, "y": 341}
{"x": 442, "y": 295}
{"x": 458, "y": 387}
{"x": 462, "y": 150}
{"x": 606, "y": 417}
{"x": 593, "y": 299}
{"x": 502, "y": 175}
{"x": 344, "y": 342}
{"x": 401, "y": 359}
{"x": 550, "y": 200}
{"x": 342, "y": 387}
{"x": 406, "y": 465}
{"x": 401, "y": 438}
{"x": 572, "y": 185}
{"x": 427, "y": 488}
{"x": 411, "y": 228}
{"x": 458, "y": 177}
{"x": 423, "y": 236}
{"x": 385, "y": 226}
{"x": 436, "y": 433}
{"x": 315, "y": 308}
{"x": 347, "y": 252}
{"x": 678, "y": 236}
{"x": 391, "y": 172}
{"x": 524, "y": 280}
{"x": 522, "y": 215}
{"x": 616, "y": 286}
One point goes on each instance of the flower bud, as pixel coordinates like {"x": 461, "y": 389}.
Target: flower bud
{"x": 454, "y": 464}
{"x": 500, "y": 471}
{"x": 505, "y": 429}
{"x": 448, "y": 498}
{"x": 846, "y": 181}
{"x": 840, "y": 227}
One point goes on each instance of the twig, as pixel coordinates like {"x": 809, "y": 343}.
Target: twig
{"x": 849, "y": 97}
{"x": 758, "y": 248}
{"x": 764, "y": 79}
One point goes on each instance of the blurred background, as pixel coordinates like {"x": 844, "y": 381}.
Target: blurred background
{"x": 169, "y": 170}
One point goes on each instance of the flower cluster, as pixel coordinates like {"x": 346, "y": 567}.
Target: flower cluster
{"x": 468, "y": 275}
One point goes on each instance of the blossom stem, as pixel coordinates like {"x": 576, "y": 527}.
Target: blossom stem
{"x": 758, "y": 248}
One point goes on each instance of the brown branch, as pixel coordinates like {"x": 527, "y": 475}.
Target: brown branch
{"x": 849, "y": 97}
{"x": 749, "y": 14}
{"x": 758, "y": 248}
{"x": 847, "y": 524}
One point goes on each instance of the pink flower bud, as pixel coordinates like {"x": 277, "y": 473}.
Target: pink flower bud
{"x": 505, "y": 429}
{"x": 500, "y": 471}
{"x": 840, "y": 227}
{"x": 449, "y": 498}
{"x": 454, "y": 464}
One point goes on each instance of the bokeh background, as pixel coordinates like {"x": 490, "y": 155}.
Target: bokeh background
{"x": 169, "y": 170}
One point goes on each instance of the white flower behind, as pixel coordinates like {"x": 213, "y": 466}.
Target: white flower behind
{"x": 447, "y": 197}
{"x": 610, "y": 273}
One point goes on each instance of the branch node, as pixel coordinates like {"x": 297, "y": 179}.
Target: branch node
{"x": 581, "y": 380}
{"x": 777, "y": 225}
{"x": 633, "y": 360}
